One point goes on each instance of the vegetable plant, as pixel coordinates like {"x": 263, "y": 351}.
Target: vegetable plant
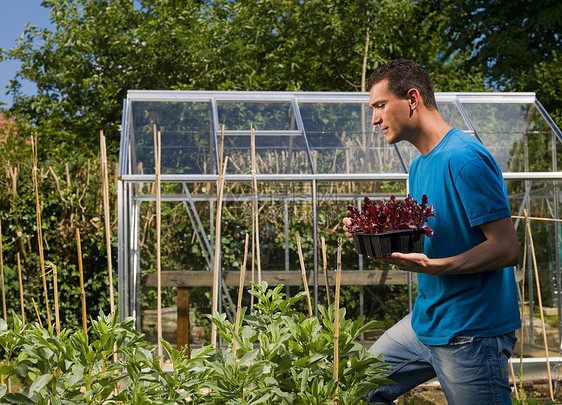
{"x": 382, "y": 216}
{"x": 281, "y": 357}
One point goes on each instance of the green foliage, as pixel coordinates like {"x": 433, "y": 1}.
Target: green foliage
{"x": 70, "y": 197}
{"x": 97, "y": 50}
{"x": 282, "y": 357}
{"x": 546, "y": 80}
{"x": 501, "y": 38}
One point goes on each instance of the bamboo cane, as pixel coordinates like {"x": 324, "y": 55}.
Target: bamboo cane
{"x": 514, "y": 379}
{"x": 56, "y": 298}
{"x": 325, "y": 266}
{"x": 37, "y": 312}
{"x": 107, "y": 223}
{"x": 39, "y": 227}
{"x": 303, "y": 271}
{"x": 255, "y": 203}
{"x": 21, "y": 290}
{"x": 82, "y": 291}
{"x": 4, "y": 312}
{"x": 240, "y": 292}
{"x": 157, "y": 163}
{"x": 528, "y": 225}
{"x": 216, "y": 263}
{"x": 524, "y": 270}
{"x": 337, "y": 315}
{"x": 105, "y": 185}
{"x": 221, "y": 146}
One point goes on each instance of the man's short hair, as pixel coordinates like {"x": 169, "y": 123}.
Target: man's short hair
{"x": 403, "y": 75}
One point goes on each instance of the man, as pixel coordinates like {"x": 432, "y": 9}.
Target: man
{"x": 461, "y": 329}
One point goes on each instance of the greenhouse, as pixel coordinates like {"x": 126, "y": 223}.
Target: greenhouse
{"x": 293, "y": 162}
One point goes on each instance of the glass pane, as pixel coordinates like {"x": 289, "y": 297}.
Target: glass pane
{"x": 280, "y": 148}
{"x": 451, "y": 114}
{"x": 516, "y": 134}
{"x": 185, "y": 134}
{"x": 343, "y": 140}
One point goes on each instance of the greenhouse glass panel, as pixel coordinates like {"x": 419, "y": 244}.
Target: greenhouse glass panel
{"x": 510, "y": 132}
{"x": 279, "y": 146}
{"x": 343, "y": 140}
{"x": 186, "y": 135}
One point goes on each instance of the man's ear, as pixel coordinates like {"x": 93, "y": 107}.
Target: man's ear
{"x": 414, "y": 98}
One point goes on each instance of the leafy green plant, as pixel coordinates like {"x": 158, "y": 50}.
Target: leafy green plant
{"x": 281, "y": 357}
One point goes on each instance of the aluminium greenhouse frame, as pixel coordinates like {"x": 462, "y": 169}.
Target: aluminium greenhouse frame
{"x": 129, "y": 200}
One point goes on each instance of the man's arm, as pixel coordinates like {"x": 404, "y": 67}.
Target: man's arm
{"x": 500, "y": 249}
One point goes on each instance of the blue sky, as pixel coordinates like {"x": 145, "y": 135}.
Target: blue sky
{"x": 14, "y": 14}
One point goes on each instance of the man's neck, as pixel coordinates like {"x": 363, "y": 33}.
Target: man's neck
{"x": 430, "y": 133}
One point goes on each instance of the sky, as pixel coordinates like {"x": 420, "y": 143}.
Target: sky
{"x": 14, "y": 14}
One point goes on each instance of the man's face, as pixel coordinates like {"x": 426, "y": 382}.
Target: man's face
{"x": 390, "y": 113}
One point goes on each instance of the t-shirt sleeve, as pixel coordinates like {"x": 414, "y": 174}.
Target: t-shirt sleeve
{"x": 482, "y": 191}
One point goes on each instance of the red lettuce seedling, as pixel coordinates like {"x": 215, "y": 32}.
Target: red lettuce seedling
{"x": 383, "y": 216}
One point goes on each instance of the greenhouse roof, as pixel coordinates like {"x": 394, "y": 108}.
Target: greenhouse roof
{"x": 315, "y": 134}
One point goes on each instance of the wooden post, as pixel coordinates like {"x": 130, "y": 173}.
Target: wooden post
{"x": 240, "y": 292}
{"x": 325, "y": 266}
{"x": 524, "y": 273}
{"x": 304, "y": 281}
{"x": 36, "y": 312}
{"x": 107, "y": 222}
{"x": 39, "y": 227}
{"x": 514, "y": 377}
{"x": 255, "y": 206}
{"x": 216, "y": 263}
{"x": 337, "y": 317}
{"x": 82, "y": 291}
{"x": 157, "y": 155}
{"x": 545, "y": 340}
{"x": 4, "y": 312}
{"x": 56, "y": 297}
{"x": 21, "y": 290}
{"x": 183, "y": 319}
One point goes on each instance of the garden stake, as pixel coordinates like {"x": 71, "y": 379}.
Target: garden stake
{"x": 221, "y": 146}
{"x": 105, "y": 185}
{"x": 21, "y": 290}
{"x": 39, "y": 228}
{"x": 523, "y": 298}
{"x": 56, "y": 296}
{"x": 240, "y": 292}
{"x": 337, "y": 318}
{"x": 325, "y": 263}
{"x": 528, "y": 225}
{"x": 157, "y": 156}
{"x": 82, "y": 291}
{"x": 4, "y": 312}
{"x": 37, "y": 312}
{"x": 255, "y": 203}
{"x": 216, "y": 263}
{"x": 513, "y": 377}
{"x": 303, "y": 271}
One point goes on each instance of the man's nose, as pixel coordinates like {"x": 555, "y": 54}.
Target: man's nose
{"x": 376, "y": 120}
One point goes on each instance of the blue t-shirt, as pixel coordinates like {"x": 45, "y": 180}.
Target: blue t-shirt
{"x": 465, "y": 185}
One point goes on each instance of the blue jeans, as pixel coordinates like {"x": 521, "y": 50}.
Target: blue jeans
{"x": 470, "y": 370}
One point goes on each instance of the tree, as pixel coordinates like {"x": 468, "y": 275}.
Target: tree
{"x": 503, "y": 38}
{"x": 99, "y": 49}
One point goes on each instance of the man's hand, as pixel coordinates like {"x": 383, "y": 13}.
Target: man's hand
{"x": 347, "y": 221}
{"x": 416, "y": 262}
